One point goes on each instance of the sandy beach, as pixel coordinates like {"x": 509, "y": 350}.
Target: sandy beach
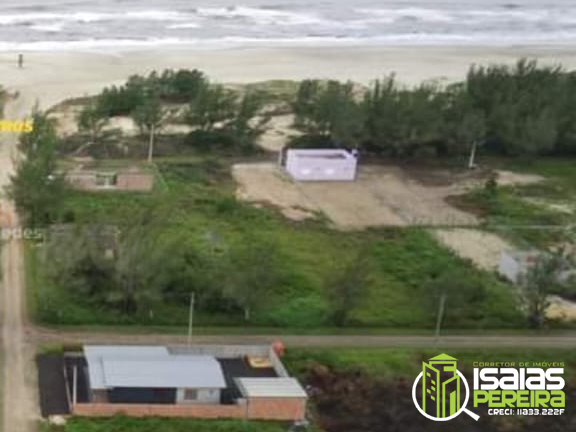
{"x": 53, "y": 76}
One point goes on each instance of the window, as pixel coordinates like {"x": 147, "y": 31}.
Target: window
{"x": 190, "y": 394}
{"x": 106, "y": 180}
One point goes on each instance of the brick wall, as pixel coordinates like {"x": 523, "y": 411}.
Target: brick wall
{"x": 142, "y": 410}
{"x": 135, "y": 181}
{"x": 261, "y": 409}
{"x": 289, "y": 409}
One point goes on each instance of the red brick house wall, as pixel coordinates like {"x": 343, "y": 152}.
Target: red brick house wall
{"x": 134, "y": 181}
{"x": 290, "y": 409}
{"x": 282, "y": 409}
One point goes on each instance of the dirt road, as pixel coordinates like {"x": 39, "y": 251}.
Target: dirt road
{"x": 19, "y": 413}
{"x": 546, "y": 341}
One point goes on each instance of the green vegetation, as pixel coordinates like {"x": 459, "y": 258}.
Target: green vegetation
{"x": 126, "y": 424}
{"x": 249, "y": 266}
{"x": 377, "y": 384}
{"x": 220, "y": 248}
{"x": 532, "y": 215}
{"x": 180, "y": 86}
{"x": 221, "y": 118}
{"x": 36, "y": 188}
{"x": 521, "y": 110}
{"x": 406, "y": 363}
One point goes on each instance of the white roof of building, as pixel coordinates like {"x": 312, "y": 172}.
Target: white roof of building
{"x": 270, "y": 388}
{"x": 185, "y": 372}
{"x": 151, "y": 367}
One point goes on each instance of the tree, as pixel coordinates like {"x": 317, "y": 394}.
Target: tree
{"x": 536, "y": 286}
{"x": 224, "y": 119}
{"x": 37, "y": 188}
{"x": 139, "y": 268}
{"x": 305, "y": 103}
{"x": 92, "y": 121}
{"x": 453, "y": 296}
{"x": 42, "y": 138}
{"x": 242, "y": 127}
{"x": 212, "y": 106}
{"x": 252, "y": 273}
{"x": 181, "y": 86}
{"x": 348, "y": 286}
{"x": 134, "y": 276}
{"x": 151, "y": 116}
{"x": 329, "y": 109}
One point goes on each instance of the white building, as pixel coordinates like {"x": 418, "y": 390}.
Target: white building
{"x": 320, "y": 164}
{"x": 150, "y": 374}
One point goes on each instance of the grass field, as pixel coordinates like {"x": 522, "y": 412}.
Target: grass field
{"x": 199, "y": 202}
{"x": 125, "y": 424}
{"x": 518, "y": 213}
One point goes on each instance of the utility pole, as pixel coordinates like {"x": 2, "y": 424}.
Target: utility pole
{"x": 151, "y": 143}
{"x": 471, "y": 160}
{"x": 440, "y": 315}
{"x": 190, "y": 319}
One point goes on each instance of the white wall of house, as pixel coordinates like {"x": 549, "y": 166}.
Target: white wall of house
{"x": 197, "y": 396}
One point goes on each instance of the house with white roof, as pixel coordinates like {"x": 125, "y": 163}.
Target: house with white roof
{"x": 135, "y": 374}
{"x": 203, "y": 381}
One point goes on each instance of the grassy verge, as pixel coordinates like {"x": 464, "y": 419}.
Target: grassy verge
{"x": 125, "y": 424}
{"x": 299, "y": 331}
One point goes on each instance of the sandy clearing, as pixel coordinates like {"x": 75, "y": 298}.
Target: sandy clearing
{"x": 482, "y": 248}
{"x": 559, "y": 207}
{"x": 381, "y": 196}
{"x": 278, "y": 133}
{"x": 66, "y": 124}
{"x": 561, "y": 309}
{"x": 264, "y": 183}
{"x": 509, "y": 178}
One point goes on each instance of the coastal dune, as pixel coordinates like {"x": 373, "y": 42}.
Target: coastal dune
{"x": 51, "y": 77}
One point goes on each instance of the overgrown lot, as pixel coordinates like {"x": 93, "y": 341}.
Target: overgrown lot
{"x": 249, "y": 266}
{"x": 378, "y": 388}
{"x": 532, "y": 214}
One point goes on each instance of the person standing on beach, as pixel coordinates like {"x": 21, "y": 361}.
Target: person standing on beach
{"x": 20, "y": 61}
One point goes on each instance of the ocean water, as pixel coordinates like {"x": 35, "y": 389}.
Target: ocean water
{"x": 82, "y": 24}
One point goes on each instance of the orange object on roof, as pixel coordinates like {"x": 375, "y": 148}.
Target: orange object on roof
{"x": 279, "y": 348}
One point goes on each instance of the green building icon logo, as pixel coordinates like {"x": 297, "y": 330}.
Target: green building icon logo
{"x": 440, "y": 386}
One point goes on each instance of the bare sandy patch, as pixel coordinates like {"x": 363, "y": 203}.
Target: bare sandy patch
{"x": 558, "y": 207}
{"x": 381, "y": 196}
{"x": 264, "y": 183}
{"x": 482, "y": 248}
{"x": 278, "y": 133}
{"x": 66, "y": 118}
{"x": 561, "y": 309}
{"x": 509, "y": 178}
